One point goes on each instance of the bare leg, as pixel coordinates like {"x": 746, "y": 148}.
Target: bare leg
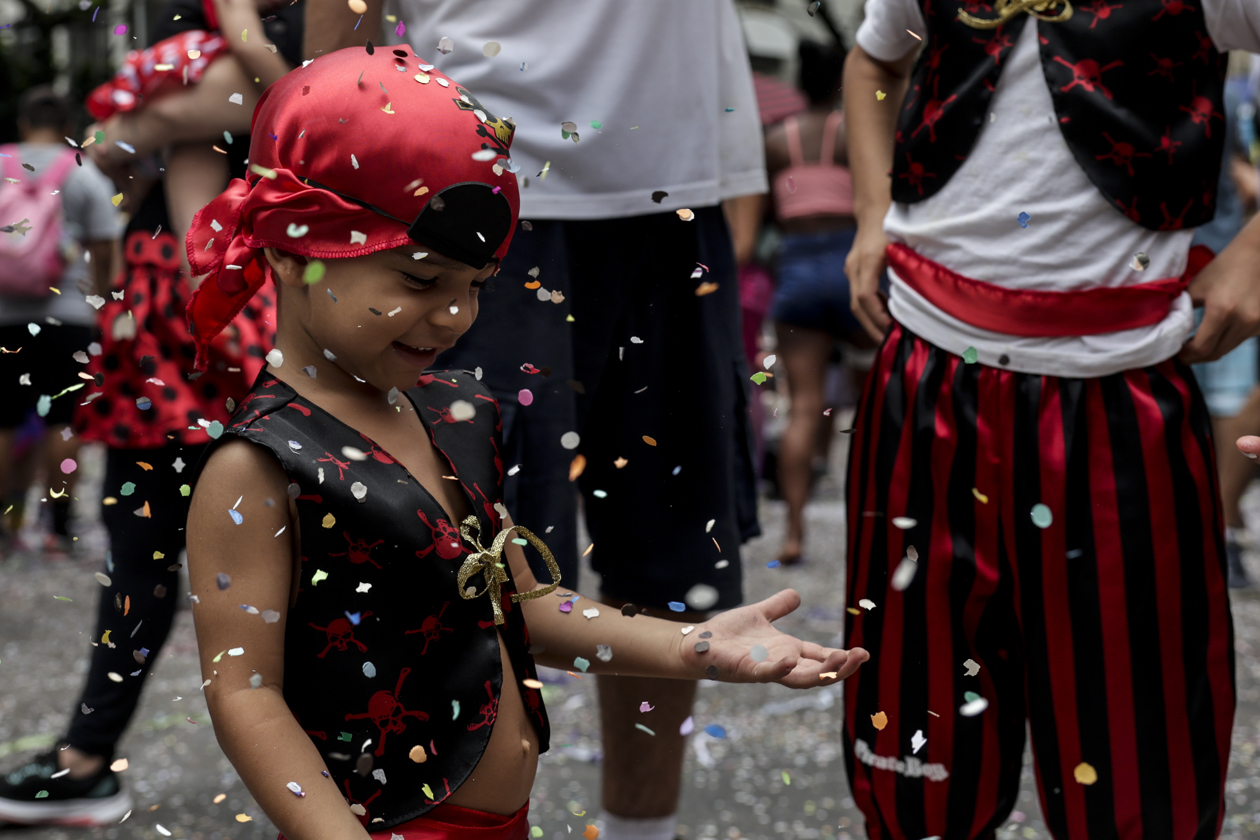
{"x": 804, "y": 353}
{"x": 643, "y": 773}
{"x": 195, "y": 175}
{"x": 199, "y": 114}
{"x": 56, "y": 449}
{"x": 80, "y": 764}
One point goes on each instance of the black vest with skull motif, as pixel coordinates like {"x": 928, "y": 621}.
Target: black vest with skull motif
{"x": 1137, "y": 87}
{"x": 395, "y": 677}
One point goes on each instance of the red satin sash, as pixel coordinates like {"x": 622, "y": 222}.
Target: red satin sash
{"x": 1043, "y": 314}
{"x": 451, "y": 822}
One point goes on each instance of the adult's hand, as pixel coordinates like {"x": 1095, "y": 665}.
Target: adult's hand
{"x": 1228, "y": 289}
{"x": 864, "y": 266}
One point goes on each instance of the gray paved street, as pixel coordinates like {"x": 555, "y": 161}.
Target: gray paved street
{"x": 734, "y": 787}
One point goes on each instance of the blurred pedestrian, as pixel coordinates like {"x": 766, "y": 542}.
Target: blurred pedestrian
{"x": 612, "y": 331}
{"x": 813, "y": 203}
{"x": 57, "y": 250}
{"x": 1231, "y": 380}
{"x": 155, "y": 413}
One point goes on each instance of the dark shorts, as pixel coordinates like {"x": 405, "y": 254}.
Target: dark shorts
{"x": 49, "y": 359}
{"x": 811, "y": 288}
{"x": 643, "y": 356}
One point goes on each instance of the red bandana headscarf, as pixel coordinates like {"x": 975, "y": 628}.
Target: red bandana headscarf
{"x": 355, "y": 153}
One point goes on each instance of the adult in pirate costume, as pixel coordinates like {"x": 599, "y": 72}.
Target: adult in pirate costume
{"x": 1033, "y": 501}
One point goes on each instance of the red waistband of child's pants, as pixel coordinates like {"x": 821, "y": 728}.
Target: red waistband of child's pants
{"x": 451, "y": 822}
{"x": 1039, "y": 314}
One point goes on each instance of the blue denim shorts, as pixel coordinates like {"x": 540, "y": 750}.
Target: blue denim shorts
{"x": 811, "y": 288}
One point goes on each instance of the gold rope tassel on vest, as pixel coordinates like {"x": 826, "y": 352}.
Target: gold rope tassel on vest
{"x": 1007, "y": 9}
{"x": 490, "y": 563}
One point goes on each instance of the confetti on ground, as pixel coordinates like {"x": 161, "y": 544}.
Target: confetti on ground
{"x": 1085, "y": 773}
{"x": 244, "y": 818}
{"x": 714, "y": 730}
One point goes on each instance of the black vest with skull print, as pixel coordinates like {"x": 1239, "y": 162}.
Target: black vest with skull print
{"x": 394, "y": 676}
{"x": 1137, "y": 86}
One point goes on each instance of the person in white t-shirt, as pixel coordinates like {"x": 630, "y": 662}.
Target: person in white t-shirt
{"x": 1035, "y": 534}
{"x": 612, "y": 332}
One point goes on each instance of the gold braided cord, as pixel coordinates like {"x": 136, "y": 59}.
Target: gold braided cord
{"x": 1007, "y": 9}
{"x": 490, "y": 563}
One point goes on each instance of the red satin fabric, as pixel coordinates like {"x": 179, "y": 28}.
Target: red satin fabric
{"x": 1037, "y": 314}
{"x": 362, "y": 125}
{"x": 451, "y": 822}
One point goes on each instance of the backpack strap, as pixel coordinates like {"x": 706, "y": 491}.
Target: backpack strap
{"x": 58, "y": 171}
{"x": 12, "y": 166}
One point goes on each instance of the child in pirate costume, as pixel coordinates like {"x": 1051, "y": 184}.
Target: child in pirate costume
{"x": 1028, "y": 435}
{"x": 382, "y": 655}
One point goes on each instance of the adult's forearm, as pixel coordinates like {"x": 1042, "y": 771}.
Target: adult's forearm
{"x": 332, "y": 25}
{"x": 268, "y": 748}
{"x": 871, "y": 124}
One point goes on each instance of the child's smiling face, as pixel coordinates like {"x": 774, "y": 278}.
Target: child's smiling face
{"x": 384, "y": 317}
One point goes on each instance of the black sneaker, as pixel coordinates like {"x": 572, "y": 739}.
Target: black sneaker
{"x": 30, "y": 795}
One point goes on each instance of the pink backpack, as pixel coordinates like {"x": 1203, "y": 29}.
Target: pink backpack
{"x": 31, "y": 258}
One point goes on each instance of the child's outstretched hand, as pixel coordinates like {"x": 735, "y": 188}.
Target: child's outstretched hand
{"x": 741, "y": 645}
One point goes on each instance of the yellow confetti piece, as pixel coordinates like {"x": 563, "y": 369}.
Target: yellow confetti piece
{"x": 577, "y": 467}
{"x": 879, "y": 720}
{"x": 428, "y": 791}
{"x": 531, "y": 684}
{"x": 358, "y": 7}
{"x": 418, "y": 755}
{"x": 329, "y": 520}
{"x": 157, "y": 555}
{"x": 787, "y": 780}
{"x": 853, "y": 610}
{"x": 109, "y": 500}
{"x": 589, "y": 549}
{"x": 880, "y": 95}
{"x": 319, "y": 575}
{"x": 116, "y": 199}
{"x": 244, "y": 818}
{"x": 650, "y": 441}
{"x": 244, "y": 34}
{"x": 706, "y": 288}
{"x": 980, "y": 497}
{"x": 422, "y": 78}
{"x": 1085, "y": 773}
{"x": 105, "y": 637}
{"x": 542, "y": 176}
{"x": 219, "y": 798}
{"x": 389, "y": 108}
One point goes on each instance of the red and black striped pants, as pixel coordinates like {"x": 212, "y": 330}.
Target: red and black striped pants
{"x": 1103, "y": 627}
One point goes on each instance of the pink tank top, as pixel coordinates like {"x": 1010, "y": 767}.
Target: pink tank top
{"x": 823, "y": 188}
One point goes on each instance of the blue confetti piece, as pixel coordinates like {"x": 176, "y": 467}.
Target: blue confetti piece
{"x": 43, "y": 405}
{"x": 677, "y": 469}
{"x": 454, "y": 709}
{"x": 677, "y": 606}
{"x": 369, "y": 670}
{"x": 600, "y": 494}
{"x": 334, "y": 297}
{"x": 773, "y": 564}
{"x": 144, "y": 403}
{"x": 355, "y": 618}
{"x": 236, "y": 516}
{"x": 126, "y": 147}
{"x": 33, "y": 329}
{"x": 716, "y": 731}
{"x": 144, "y": 652}
{"x": 1023, "y": 219}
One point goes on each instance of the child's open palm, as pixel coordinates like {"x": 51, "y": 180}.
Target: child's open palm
{"x": 743, "y": 646}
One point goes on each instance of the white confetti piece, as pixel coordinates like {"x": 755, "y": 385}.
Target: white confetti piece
{"x": 570, "y": 440}
{"x": 358, "y": 490}
{"x": 358, "y": 237}
{"x": 275, "y": 358}
{"x": 866, "y": 604}
{"x": 603, "y": 653}
{"x": 237, "y": 99}
{"x": 593, "y": 612}
{"x": 904, "y": 575}
{"x": 917, "y": 741}
{"x": 270, "y": 616}
{"x": 972, "y": 708}
{"x": 463, "y": 410}
{"x": 972, "y": 666}
{"x": 904, "y": 522}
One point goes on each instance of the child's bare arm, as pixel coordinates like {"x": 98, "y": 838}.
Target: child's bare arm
{"x": 231, "y": 565}
{"x": 256, "y": 54}
{"x": 652, "y": 647}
